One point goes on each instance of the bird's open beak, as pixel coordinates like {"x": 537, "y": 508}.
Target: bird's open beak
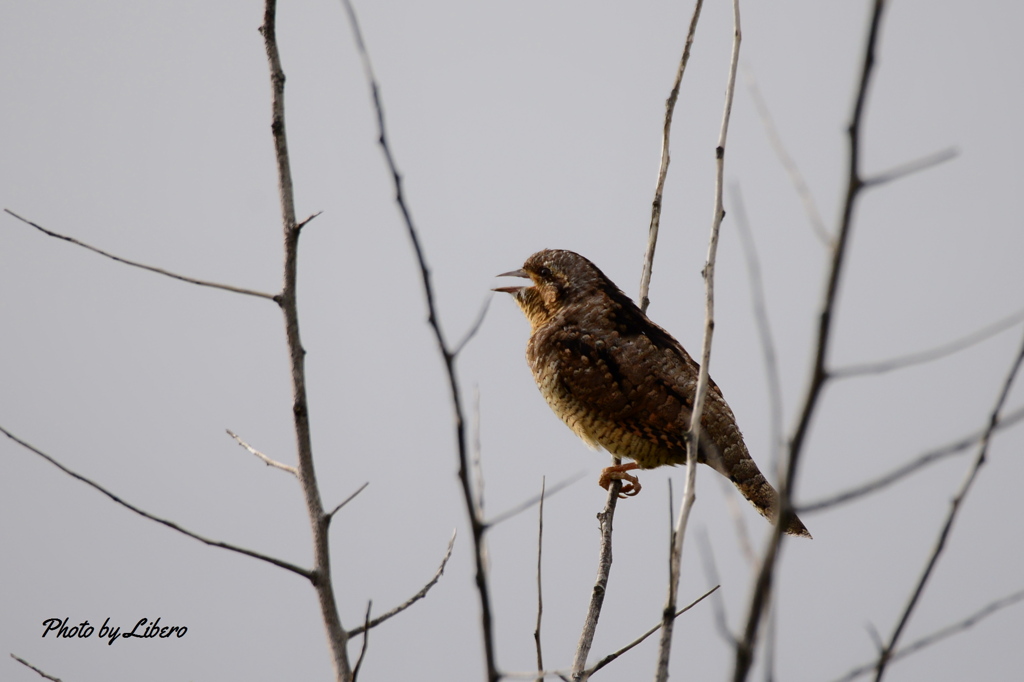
{"x": 512, "y": 290}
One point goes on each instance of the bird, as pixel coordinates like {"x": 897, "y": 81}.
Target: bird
{"x": 623, "y": 383}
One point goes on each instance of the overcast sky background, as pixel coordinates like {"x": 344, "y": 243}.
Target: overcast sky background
{"x": 143, "y": 128}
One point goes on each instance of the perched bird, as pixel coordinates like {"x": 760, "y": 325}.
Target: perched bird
{"x": 621, "y": 382}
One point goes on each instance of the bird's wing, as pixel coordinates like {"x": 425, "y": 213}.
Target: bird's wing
{"x": 631, "y": 380}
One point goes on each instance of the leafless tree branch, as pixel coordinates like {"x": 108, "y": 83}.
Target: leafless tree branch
{"x": 912, "y": 167}
{"x": 413, "y": 599}
{"x": 471, "y": 332}
{"x": 330, "y": 514}
{"x": 305, "y": 573}
{"x": 666, "y": 133}
{"x": 764, "y": 331}
{"x": 366, "y": 641}
{"x": 29, "y": 665}
{"x": 795, "y": 177}
{"x": 526, "y": 504}
{"x": 614, "y": 655}
{"x": 266, "y": 460}
{"x": 938, "y": 635}
{"x": 819, "y": 375}
{"x": 911, "y": 467}
{"x": 134, "y": 264}
{"x": 954, "y": 508}
{"x": 448, "y": 356}
{"x": 540, "y": 585}
{"x": 931, "y": 354}
{"x": 604, "y": 568}
{"x": 693, "y": 434}
{"x": 337, "y": 636}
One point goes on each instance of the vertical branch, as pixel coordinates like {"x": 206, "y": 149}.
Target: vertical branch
{"x": 448, "y": 355}
{"x": 693, "y": 434}
{"x": 337, "y": 637}
{"x": 940, "y": 544}
{"x": 607, "y": 515}
{"x": 540, "y": 592}
{"x": 604, "y": 568}
{"x": 670, "y": 107}
{"x": 819, "y": 373}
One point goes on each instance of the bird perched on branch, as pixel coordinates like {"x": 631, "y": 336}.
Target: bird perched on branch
{"x": 621, "y": 382}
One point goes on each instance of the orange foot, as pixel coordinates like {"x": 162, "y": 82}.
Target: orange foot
{"x": 618, "y": 473}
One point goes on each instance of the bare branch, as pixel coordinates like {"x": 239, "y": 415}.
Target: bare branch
{"x": 475, "y": 520}
{"x": 366, "y": 641}
{"x": 540, "y": 586}
{"x": 942, "y": 351}
{"x": 308, "y": 220}
{"x": 413, "y": 599}
{"x": 604, "y": 568}
{"x": 703, "y": 378}
{"x": 526, "y": 504}
{"x": 711, "y": 574}
{"x": 348, "y": 499}
{"x": 266, "y": 460}
{"x": 29, "y": 665}
{"x": 322, "y": 580}
{"x": 134, "y": 264}
{"x": 954, "y": 508}
{"x": 938, "y": 635}
{"x": 305, "y": 573}
{"x": 475, "y": 327}
{"x": 911, "y": 167}
{"x": 764, "y": 331}
{"x": 612, "y": 656}
{"x": 912, "y": 466}
{"x": 670, "y": 107}
{"x": 795, "y": 177}
{"x": 819, "y": 375}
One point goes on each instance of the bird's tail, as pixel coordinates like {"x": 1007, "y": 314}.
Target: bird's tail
{"x": 734, "y": 462}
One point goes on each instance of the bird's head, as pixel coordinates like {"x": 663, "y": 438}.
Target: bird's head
{"x": 556, "y": 277}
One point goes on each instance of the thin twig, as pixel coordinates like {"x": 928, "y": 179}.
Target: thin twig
{"x": 475, "y": 515}
{"x": 931, "y": 354}
{"x": 938, "y": 635}
{"x": 471, "y": 332}
{"x": 711, "y": 575}
{"x": 540, "y": 585}
{"x": 413, "y": 599}
{"x": 330, "y": 514}
{"x": 476, "y": 457}
{"x": 305, "y": 573}
{"x": 366, "y": 641}
{"x": 693, "y": 434}
{"x": 322, "y": 579}
{"x": 795, "y": 177}
{"x": 764, "y": 331}
{"x": 670, "y": 107}
{"x": 134, "y": 264}
{"x": 29, "y": 665}
{"x": 526, "y": 504}
{"x": 612, "y": 656}
{"x": 607, "y": 515}
{"x": 915, "y": 166}
{"x": 308, "y": 220}
{"x": 954, "y": 508}
{"x": 910, "y": 467}
{"x": 819, "y": 376}
{"x": 266, "y": 460}
{"x": 604, "y": 568}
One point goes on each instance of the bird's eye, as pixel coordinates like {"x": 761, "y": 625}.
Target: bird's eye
{"x": 544, "y": 272}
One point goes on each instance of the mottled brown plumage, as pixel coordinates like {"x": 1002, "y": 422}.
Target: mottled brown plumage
{"x": 621, "y": 382}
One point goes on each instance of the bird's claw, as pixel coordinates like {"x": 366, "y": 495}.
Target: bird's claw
{"x": 631, "y": 484}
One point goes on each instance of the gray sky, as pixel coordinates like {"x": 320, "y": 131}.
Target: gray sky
{"x": 143, "y": 128}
